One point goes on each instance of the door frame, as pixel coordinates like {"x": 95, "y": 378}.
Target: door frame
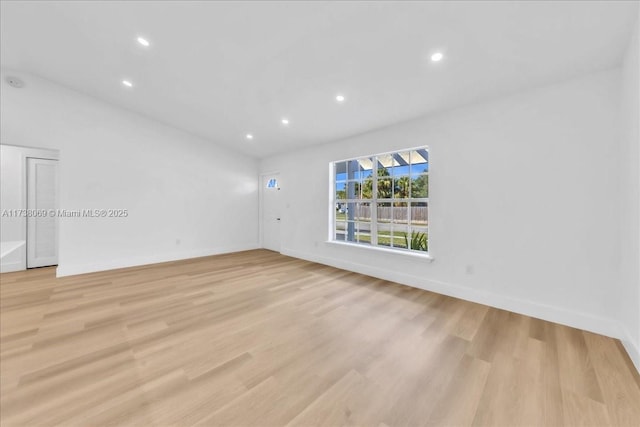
{"x": 29, "y": 239}
{"x": 261, "y": 205}
{"x": 39, "y": 153}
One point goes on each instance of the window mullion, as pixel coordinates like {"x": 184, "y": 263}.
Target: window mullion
{"x": 410, "y": 208}
{"x": 374, "y": 202}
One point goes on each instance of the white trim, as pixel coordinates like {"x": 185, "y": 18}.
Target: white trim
{"x": 419, "y": 147}
{"x": 70, "y": 269}
{"x": 633, "y": 349}
{"x": 332, "y": 201}
{"x": 45, "y": 153}
{"x": 401, "y": 252}
{"x": 9, "y": 267}
{"x": 576, "y": 319}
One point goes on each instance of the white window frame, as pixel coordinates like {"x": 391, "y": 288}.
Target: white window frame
{"x": 374, "y": 201}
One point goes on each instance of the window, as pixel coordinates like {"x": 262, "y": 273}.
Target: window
{"x": 383, "y": 200}
{"x": 273, "y": 183}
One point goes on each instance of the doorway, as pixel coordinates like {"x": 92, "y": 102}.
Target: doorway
{"x": 270, "y": 204}
{"x": 29, "y": 179}
{"x": 42, "y": 221}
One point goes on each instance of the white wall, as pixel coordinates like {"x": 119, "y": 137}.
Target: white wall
{"x": 524, "y": 194}
{"x": 180, "y": 190}
{"x": 629, "y": 292}
{"x": 12, "y": 229}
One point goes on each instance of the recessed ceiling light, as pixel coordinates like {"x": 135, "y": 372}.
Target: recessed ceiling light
{"x": 285, "y": 121}
{"x": 249, "y": 136}
{"x": 340, "y": 98}
{"x": 127, "y": 83}
{"x": 144, "y": 42}
{"x": 437, "y": 57}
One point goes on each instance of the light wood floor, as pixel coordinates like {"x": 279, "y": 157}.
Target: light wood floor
{"x": 257, "y": 338}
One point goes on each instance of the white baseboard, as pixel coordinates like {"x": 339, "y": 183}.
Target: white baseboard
{"x": 66, "y": 269}
{"x": 8, "y": 267}
{"x": 633, "y": 349}
{"x": 585, "y": 321}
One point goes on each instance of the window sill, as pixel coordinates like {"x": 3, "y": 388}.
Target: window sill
{"x": 424, "y": 256}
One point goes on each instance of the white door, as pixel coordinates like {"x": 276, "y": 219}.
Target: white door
{"x": 42, "y": 230}
{"x": 271, "y": 212}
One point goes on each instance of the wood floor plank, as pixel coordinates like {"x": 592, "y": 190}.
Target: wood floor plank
{"x": 616, "y": 381}
{"x": 577, "y": 372}
{"x": 258, "y": 338}
{"x": 459, "y": 402}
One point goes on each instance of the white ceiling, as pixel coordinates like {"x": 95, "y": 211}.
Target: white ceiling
{"x": 222, "y": 69}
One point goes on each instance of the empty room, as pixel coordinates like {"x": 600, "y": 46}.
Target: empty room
{"x": 320, "y": 213}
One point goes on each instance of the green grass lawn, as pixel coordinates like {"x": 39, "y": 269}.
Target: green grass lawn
{"x": 384, "y": 237}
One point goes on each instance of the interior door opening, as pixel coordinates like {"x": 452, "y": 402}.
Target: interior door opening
{"x": 271, "y": 219}
{"x": 42, "y": 221}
